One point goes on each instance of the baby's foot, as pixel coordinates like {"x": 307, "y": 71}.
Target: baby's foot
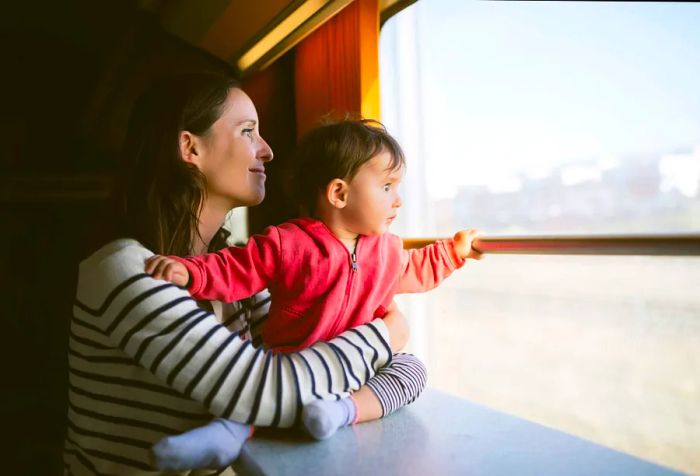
{"x": 322, "y": 418}
{"x": 215, "y": 445}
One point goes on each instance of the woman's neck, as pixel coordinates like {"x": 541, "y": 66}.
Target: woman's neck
{"x": 211, "y": 218}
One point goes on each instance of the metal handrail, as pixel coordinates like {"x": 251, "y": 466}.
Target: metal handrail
{"x": 659, "y": 245}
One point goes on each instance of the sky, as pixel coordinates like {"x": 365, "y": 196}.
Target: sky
{"x": 516, "y": 87}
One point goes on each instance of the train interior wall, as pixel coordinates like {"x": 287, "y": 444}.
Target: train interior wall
{"x": 71, "y": 72}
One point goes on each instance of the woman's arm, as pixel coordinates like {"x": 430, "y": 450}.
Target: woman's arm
{"x": 161, "y": 327}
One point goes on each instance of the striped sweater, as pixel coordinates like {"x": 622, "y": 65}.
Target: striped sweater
{"x": 146, "y": 361}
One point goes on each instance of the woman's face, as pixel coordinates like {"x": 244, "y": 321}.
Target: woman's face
{"x": 233, "y": 155}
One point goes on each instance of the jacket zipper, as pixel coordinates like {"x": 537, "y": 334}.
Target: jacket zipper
{"x": 348, "y": 289}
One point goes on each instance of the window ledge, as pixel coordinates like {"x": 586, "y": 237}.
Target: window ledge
{"x": 439, "y": 434}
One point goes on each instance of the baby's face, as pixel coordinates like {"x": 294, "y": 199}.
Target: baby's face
{"x": 373, "y": 199}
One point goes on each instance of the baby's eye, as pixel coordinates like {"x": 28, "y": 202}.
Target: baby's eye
{"x": 387, "y": 187}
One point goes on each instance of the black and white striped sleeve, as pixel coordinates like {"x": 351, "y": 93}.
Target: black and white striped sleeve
{"x": 160, "y": 326}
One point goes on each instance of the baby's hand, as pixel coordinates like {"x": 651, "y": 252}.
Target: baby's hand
{"x": 463, "y": 244}
{"x": 162, "y": 267}
{"x": 397, "y": 325}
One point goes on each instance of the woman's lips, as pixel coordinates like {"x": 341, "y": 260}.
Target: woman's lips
{"x": 259, "y": 171}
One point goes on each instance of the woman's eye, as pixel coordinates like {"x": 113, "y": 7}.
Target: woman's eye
{"x": 247, "y": 132}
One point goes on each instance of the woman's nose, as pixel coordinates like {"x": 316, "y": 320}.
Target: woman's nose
{"x": 264, "y": 151}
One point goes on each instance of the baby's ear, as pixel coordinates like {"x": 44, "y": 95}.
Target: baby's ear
{"x": 337, "y": 193}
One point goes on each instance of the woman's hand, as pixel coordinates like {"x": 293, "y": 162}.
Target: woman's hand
{"x": 398, "y": 328}
{"x": 162, "y": 267}
{"x": 463, "y": 244}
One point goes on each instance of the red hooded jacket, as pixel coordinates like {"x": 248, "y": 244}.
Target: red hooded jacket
{"x": 318, "y": 288}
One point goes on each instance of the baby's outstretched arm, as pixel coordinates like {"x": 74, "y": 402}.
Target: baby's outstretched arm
{"x": 425, "y": 268}
{"x": 163, "y": 267}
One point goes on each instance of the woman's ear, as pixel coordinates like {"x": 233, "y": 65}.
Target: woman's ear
{"x": 189, "y": 148}
{"x": 337, "y": 193}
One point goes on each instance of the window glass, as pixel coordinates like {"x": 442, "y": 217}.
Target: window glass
{"x": 523, "y": 118}
{"x": 549, "y": 117}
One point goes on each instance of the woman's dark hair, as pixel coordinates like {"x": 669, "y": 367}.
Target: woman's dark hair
{"x": 159, "y": 195}
{"x": 337, "y": 150}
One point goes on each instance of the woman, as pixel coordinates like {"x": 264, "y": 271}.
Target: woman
{"x": 145, "y": 360}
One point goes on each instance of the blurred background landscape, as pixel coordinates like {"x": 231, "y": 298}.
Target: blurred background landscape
{"x": 605, "y": 348}
{"x": 557, "y": 118}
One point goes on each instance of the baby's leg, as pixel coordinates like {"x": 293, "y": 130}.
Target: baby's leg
{"x": 214, "y": 445}
{"x": 394, "y": 386}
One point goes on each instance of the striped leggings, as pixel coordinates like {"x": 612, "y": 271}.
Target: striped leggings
{"x": 398, "y": 383}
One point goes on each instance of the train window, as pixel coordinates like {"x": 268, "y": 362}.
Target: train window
{"x": 557, "y": 118}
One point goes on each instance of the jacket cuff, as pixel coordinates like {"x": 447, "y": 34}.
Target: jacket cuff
{"x": 194, "y": 284}
{"x": 448, "y": 247}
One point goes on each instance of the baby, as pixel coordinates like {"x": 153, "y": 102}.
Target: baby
{"x": 329, "y": 272}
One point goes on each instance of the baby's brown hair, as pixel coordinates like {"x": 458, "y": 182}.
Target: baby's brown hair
{"x": 337, "y": 150}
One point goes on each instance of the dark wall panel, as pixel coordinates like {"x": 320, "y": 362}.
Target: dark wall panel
{"x": 71, "y": 73}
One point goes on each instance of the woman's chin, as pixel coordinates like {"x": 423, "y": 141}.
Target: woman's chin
{"x": 255, "y": 199}
{"x": 246, "y": 201}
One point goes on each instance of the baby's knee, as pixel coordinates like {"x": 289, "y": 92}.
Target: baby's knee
{"x": 412, "y": 367}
